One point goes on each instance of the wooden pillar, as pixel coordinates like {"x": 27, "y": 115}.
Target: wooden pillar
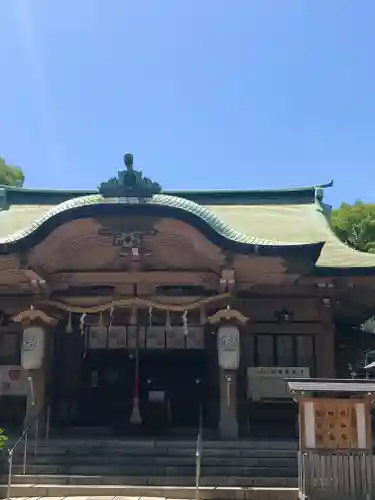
{"x": 325, "y": 345}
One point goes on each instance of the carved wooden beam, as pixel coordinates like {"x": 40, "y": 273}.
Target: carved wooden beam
{"x": 36, "y": 281}
{"x": 155, "y": 277}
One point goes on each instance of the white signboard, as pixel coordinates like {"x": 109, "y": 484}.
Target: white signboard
{"x": 228, "y": 347}
{"x": 32, "y": 353}
{"x": 13, "y": 380}
{"x": 268, "y": 382}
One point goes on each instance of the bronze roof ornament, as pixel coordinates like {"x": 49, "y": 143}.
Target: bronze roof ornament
{"x": 129, "y": 183}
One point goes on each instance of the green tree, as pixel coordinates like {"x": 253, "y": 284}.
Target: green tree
{"x": 355, "y": 225}
{"x": 10, "y": 175}
{"x": 3, "y": 439}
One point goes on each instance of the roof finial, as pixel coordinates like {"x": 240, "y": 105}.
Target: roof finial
{"x": 128, "y": 160}
{"x": 129, "y": 183}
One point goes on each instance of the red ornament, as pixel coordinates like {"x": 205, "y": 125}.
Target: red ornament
{"x": 14, "y": 374}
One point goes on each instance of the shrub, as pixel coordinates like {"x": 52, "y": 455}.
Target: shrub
{"x": 3, "y": 439}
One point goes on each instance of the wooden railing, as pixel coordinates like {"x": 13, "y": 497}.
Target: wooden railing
{"x": 336, "y": 476}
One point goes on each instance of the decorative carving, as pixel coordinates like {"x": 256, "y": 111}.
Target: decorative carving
{"x": 36, "y": 280}
{"x": 129, "y": 183}
{"x": 284, "y": 316}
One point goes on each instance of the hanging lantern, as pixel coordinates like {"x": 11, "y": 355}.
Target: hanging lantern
{"x": 69, "y": 326}
{"x": 185, "y": 322}
{"x": 168, "y": 325}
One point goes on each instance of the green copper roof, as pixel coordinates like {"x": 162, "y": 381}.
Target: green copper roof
{"x": 271, "y": 217}
{"x": 17, "y": 223}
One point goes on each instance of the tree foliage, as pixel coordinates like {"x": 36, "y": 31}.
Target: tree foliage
{"x": 3, "y": 439}
{"x": 10, "y": 175}
{"x": 355, "y": 225}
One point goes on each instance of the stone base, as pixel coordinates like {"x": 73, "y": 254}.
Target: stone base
{"x": 228, "y": 429}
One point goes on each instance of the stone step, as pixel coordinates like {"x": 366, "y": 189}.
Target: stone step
{"x": 113, "y": 490}
{"x": 167, "y": 460}
{"x": 155, "y": 452}
{"x": 150, "y": 480}
{"x": 169, "y": 444}
{"x": 154, "y": 470}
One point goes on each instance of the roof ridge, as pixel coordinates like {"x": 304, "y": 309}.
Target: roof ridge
{"x": 307, "y": 194}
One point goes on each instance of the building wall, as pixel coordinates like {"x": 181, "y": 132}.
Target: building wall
{"x": 13, "y": 380}
{"x": 306, "y": 340}
{"x": 273, "y": 349}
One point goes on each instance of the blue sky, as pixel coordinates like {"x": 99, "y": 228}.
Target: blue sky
{"x": 206, "y": 94}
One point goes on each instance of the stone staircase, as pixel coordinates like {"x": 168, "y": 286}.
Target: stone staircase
{"x": 154, "y": 464}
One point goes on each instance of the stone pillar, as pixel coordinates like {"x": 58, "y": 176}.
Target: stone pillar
{"x": 36, "y": 398}
{"x": 228, "y": 424}
{"x": 36, "y": 388}
{"x": 228, "y": 348}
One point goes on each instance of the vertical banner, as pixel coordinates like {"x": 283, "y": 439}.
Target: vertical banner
{"x": 98, "y": 337}
{"x": 176, "y": 337}
{"x": 155, "y": 337}
{"x": 117, "y": 337}
{"x": 133, "y": 331}
{"x": 195, "y": 337}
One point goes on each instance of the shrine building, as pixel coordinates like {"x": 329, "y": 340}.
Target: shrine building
{"x": 134, "y": 310}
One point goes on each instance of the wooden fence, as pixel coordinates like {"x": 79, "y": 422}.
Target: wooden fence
{"x": 336, "y": 476}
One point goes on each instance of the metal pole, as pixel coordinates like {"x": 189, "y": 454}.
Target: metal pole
{"x": 25, "y": 455}
{"x": 10, "y": 460}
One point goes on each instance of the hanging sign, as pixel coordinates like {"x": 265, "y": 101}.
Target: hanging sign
{"x": 175, "y": 337}
{"x": 98, "y": 337}
{"x": 32, "y": 348}
{"x": 228, "y": 347}
{"x": 117, "y": 337}
{"x": 12, "y": 381}
{"x": 195, "y": 338}
{"x": 155, "y": 337}
{"x": 136, "y": 335}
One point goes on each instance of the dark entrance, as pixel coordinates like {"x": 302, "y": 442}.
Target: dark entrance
{"x": 173, "y": 385}
{"x": 172, "y": 390}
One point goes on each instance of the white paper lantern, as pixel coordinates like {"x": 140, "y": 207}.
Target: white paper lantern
{"x": 33, "y": 344}
{"x": 228, "y": 347}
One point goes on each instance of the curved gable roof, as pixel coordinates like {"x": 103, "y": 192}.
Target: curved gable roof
{"x": 27, "y": 223}
{"x": 284, "y": 218}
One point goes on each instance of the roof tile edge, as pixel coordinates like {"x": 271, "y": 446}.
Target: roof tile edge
{"x": 308, "y": 194}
